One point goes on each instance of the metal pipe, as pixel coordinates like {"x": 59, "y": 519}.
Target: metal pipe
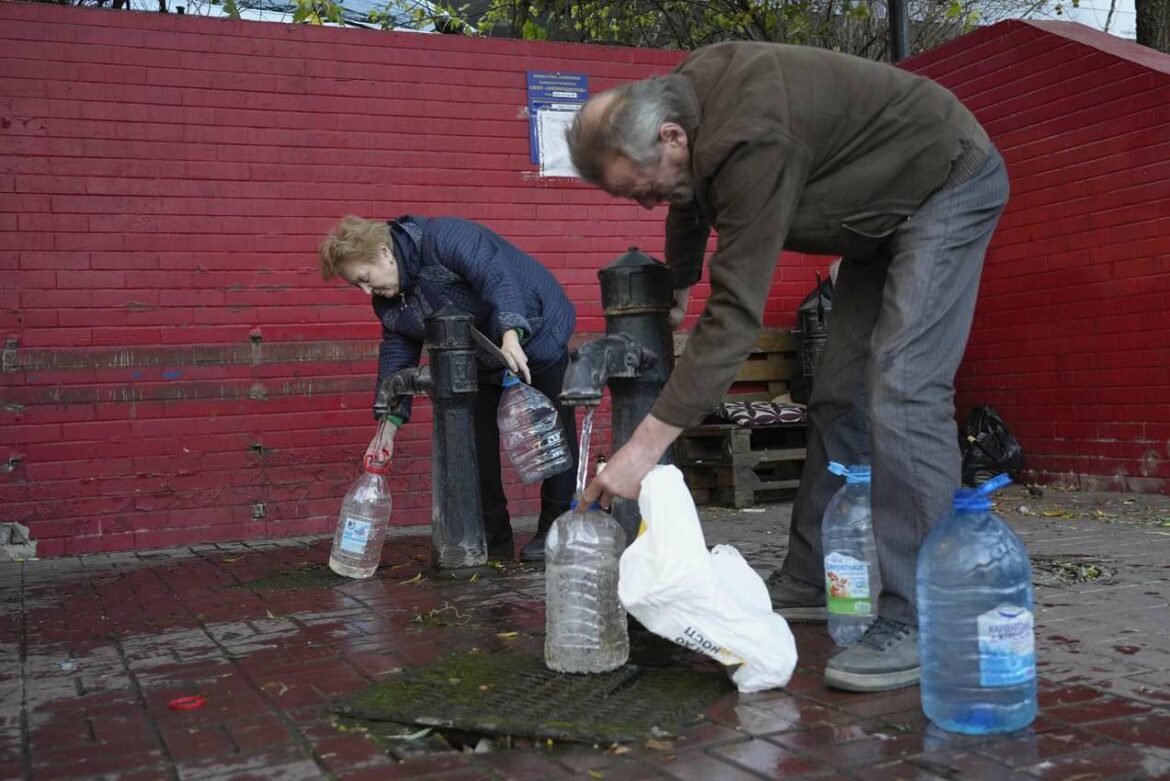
{"x": 457, "y": 531}
{"x": 634, "y": 358}
{"x": 899, "y": 30}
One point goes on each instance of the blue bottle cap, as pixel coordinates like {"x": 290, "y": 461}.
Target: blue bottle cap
{"x": 855, "y": 473}
{"x": 575, "y": 501}
{"x": 510, "y": 379}
{"x": 979, "y": 499}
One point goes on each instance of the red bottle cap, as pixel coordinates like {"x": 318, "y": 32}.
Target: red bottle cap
{"x": 376, "y": 467}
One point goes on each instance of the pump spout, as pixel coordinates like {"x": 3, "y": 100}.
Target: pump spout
{"x": 593, "y": 364}
{"x": 393, "y": 390}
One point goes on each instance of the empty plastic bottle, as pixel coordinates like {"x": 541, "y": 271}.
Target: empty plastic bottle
{"x": 852, "y": 579}
{"x": 975, "y": 627}
{"x": 531, "y": 432}
{"x": 585, "y": 623}
{"x": 361, "y": 527}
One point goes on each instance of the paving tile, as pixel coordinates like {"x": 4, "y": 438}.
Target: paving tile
{"x": 779, "y": 715}
{"x": 1106, "y": 762}
{"x": 966, "y": 766}
{"x": 697, "y": 766}
{"x": 518, "y": 765}
{"x": 1152, "y": 729}
{"x": 1025, "y": 750}
{"x": 768, "y": 759}
{"x": 1100, "y": 709}
{"x": 140, "y": 629}
{"x": 828, "y": 746}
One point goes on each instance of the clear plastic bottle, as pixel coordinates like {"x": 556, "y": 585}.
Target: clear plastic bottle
{"x": 852, "y": 579}
{"x": 531, "y": 432}
{"x": 361, "y": 527}
{"x": 975, "y": 620}
{"x": 585, "y": 623}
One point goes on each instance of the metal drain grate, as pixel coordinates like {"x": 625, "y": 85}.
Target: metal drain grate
{"x": 506, "y": 694}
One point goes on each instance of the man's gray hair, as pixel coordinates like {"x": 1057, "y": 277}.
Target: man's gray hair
{"x": 629, "y": 124}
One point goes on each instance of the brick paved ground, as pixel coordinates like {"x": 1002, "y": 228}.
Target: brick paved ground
{"x": 92, "y": 649}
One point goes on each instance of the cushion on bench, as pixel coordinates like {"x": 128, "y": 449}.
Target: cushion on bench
{"x": 761, "y": 413}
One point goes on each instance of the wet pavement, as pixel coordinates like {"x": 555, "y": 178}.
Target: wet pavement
{"x": 95, "y": 650}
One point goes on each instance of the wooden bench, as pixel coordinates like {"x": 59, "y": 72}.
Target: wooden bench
{"x": 725, "y": 463}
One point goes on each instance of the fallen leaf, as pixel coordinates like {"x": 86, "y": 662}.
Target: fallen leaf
{"x": 473, "y": 578}
{"x": 619, "y": 750}
{"x": 507, "y": 635}
{"x": 594, "y": 774}
{"x": 658, "y": 745}
{"x": 416, "y": 579}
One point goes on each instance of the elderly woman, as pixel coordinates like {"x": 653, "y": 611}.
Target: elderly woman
{"x": 412, "y": 266}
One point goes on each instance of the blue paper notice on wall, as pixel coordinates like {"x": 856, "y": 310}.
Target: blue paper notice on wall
{"x": 552, "y": 92}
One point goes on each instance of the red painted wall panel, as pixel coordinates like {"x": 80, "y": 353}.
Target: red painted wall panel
{"x": 164, "y": 182}
{"x": 174, "y": 366}
{"x": 1071, "y": 334}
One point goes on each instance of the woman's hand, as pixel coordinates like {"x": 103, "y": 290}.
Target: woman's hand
{"x": 517, "y": 360}
{"x": 382, "y": 445}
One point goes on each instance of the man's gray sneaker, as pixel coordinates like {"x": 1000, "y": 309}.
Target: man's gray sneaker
{"x": 886, "y": 657}
{"x": 796, "y": 600}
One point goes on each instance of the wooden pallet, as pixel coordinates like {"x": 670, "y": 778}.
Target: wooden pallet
{"x": 728, "y": 464}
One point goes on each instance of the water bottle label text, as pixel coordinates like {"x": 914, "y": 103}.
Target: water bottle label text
{"x": 356, "y": 534}
{"x": 847, "y": 585}
{"x": 1007, "y": 655}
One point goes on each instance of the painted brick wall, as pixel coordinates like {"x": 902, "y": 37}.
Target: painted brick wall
{"x": 173, "y": 364}
{"x": 1071, "y": 340}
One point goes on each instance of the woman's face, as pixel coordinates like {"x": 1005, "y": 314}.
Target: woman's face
{"x": 377, "y": 277}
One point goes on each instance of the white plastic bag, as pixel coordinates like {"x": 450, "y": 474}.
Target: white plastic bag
{"x": 712, "y": 602}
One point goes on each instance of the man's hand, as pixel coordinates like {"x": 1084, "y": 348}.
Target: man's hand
{"x": 678, "y": 311}
{"x": 517, "y": 360}
{"x": 624, "y": 472}
{"x": 382, "y": 445}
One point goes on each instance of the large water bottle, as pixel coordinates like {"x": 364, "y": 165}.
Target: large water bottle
{"x": 975, "y": 620}
{"x": 585, "y": 623}
{"x": 852, "y": 579}
{"x": 361, "y": 527}
{"x": 531, "y": 432}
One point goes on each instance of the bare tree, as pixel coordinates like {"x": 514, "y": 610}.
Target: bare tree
{"x": 1153, "y": 24}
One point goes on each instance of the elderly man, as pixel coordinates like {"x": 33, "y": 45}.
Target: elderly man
{"x": 785, "y": 147}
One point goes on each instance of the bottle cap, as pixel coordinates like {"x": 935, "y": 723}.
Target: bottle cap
{"x": 979, "y": 499}
{"x": 376, "y": 467}
{"x": 855, "y": 473}
{"x": 510, "y": 379}
{"x": 576, "y": 500}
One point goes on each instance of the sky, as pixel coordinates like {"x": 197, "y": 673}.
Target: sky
{"x": 1093, "y": 13}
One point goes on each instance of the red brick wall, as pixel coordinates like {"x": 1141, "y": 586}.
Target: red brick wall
{"x": 164, "y": 181}
{"x": 173, "y": 363}
{"x": 1071, "y": 340}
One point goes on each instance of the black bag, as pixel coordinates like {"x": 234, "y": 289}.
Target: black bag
{"x": 990, "y": 432}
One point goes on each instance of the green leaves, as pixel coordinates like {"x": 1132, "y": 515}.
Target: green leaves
{"x": 317, "y": 12}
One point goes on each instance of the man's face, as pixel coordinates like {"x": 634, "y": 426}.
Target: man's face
{"x": 667, "y": 182}
{"x": 377, "y": 277}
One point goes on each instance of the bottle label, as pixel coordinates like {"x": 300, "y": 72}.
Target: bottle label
{"x": 356, "y": 534}
{"x": 847, "y": 585}
{"x": 1007, "y": 655}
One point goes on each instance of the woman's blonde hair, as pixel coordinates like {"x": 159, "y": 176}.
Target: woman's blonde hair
{"x": 354, "y": 238}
